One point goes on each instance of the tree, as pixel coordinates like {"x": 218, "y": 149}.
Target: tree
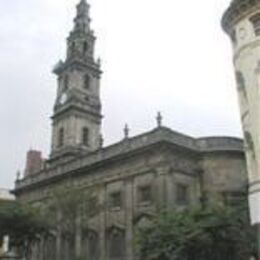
{"x": 69, "y": 212}
{"x": 23, "y": 224}
{"x": 216, "y": 233}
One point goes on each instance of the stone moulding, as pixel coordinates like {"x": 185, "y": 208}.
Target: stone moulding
{"x": 237, "y": 10}
{"x": 132, "y": 145}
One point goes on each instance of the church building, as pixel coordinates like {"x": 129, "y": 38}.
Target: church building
{"x": 160, "y": 168}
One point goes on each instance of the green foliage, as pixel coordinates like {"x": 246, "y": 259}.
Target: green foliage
{"x": 22, "y": 223}
{"x": 67, "y": 207}
{"x": 69, "y": 211}
{"x": 198, "y": 234}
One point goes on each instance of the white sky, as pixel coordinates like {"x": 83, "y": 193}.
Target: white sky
{"x": 162, "y": 55}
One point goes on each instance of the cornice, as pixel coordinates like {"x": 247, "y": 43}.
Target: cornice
{"x": 237, "y": 10}
{"x": 130, "y": 147}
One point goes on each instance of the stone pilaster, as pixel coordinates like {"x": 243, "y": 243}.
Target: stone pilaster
{"x": 169, "y": 190}
{"x": 58, "y": 246}
{"x": 78, "y": 237}
{"x": 161, "y": 179}
{"x": 102, "y": 231}
{"x": 129, "y": 219}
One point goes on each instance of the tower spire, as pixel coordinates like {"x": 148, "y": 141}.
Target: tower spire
{"x": 77, "y": 111}
{"x": 82, "y": 19}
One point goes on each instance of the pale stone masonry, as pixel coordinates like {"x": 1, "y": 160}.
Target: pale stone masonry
{"x": 135, "y": 177}
{"x": 241, "y": 22}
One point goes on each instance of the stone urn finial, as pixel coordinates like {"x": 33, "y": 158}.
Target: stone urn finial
{"x": 159, "y": 119}
{"x": 126, "y": 131}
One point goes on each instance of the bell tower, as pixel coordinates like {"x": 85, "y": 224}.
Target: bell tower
{"x": 77, "y": 110}
{"x": 241, "y": 22}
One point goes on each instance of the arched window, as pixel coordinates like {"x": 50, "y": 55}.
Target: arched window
{"x": 86, "y": 81}
{"x": 116, "y": 244}
{"x": 61, "y": 137}
{"x": 255, "y": 20}
{"x": 85, "y": 136}
{"x": 66, "y": 82}
{"x": 85, "y": 47}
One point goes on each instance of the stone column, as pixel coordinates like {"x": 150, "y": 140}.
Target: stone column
{"x": 162, "y": 172}
{"x": 102, "y": 231}
{"x": 41, "y": 249}
{"x": 129, "y": 219}
{"x": 58, "y": 245}
{"x": 58, "y": 239}
{"x": 169, "y": 190}
{"x": 78, "y": 237}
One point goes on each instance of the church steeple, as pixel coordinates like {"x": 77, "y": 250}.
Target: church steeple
{"x": 81, "y": 40}
{"x": 82, "y": 20}
{"x": 77, "y": 111}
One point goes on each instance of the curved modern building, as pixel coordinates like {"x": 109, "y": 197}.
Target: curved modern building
{"x": 241, "y": 22}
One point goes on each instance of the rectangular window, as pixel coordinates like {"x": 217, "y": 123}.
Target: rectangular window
{"x": 256, "y": 23}
{"x": 61, "y": 137}
{"x": 86, "y": 81}
{"x": 116, "y": 200}
{"x": 85, "y": 136}
{"x": 182, "y": 194}
{"x": 66, "y": 82}
{"x": 145, "y": 194}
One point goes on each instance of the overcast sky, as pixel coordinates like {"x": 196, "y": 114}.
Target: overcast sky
{"x": 168, "y": 56}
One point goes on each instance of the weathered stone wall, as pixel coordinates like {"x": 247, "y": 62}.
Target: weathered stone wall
{"x": 162, "y": 167}
{"x": 224, "y": 172}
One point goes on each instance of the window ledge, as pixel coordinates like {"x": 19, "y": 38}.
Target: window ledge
{"x": 145, "y": 203}
{"x": 115, "y": 209}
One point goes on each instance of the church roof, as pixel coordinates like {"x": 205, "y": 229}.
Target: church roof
{"x": 131, "y": 146}
{"x": 236, "y": 11}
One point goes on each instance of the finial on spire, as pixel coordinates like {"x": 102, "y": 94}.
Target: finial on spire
{"x": 159, "y": 119}
{"x": 82, "y": 5}
{"x": 126, "y": 131}
{"x": 18, "y": 175}
{"x": 99, "y": 61}
{"x": 82, "y": 20}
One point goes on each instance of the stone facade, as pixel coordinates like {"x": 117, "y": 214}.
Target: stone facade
{"x": 241, "y": 21}
{"x": 133, "y": 178}
{"x": 162, "y": 162}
